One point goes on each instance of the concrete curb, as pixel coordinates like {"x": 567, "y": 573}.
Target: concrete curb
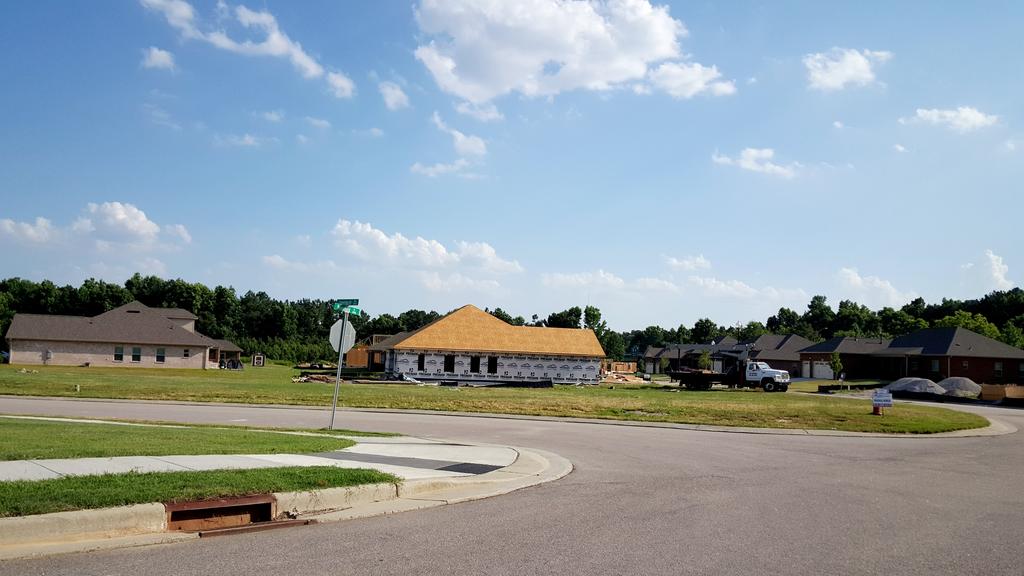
{"x": 995, "y": 428}
{"x": 533, "y": 467}
{"x": 146, "y": 524}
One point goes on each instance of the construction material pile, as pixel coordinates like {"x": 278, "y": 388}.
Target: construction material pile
{"x": 313, "y": 378}
{"x": 960, "y": 387}
{"x": 916, "y": 385}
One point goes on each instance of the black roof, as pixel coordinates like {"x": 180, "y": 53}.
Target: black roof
{"x": 956, "y": 342}
{"x": 777, "y": 346}
{"x": 847, "y": 345}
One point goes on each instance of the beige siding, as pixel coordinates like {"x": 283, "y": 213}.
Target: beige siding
{"x": 96, "y": 354}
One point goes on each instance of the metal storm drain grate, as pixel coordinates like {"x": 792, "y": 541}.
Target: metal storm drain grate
{"x": 220, "y": 514}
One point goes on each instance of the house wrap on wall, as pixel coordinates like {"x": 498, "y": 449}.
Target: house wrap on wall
{"x": 470, "y": 345}
{"x": 130, "y": 335}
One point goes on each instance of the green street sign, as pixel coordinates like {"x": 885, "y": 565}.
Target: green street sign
{"x": 354, "y": 311}
{"x": 339, "y": 304}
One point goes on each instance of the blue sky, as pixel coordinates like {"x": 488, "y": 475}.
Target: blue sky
{"x": 664, "y": 161}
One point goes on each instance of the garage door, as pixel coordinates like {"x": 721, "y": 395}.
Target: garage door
{"x": 805, "y": 369}
{"x": 822, "y": 370}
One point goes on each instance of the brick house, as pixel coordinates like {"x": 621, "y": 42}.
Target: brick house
{"x": 934, "y": 353}
{"x": 133, "y": 335}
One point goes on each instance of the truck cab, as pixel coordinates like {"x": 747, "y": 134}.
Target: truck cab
{"x": 770, "y": 379}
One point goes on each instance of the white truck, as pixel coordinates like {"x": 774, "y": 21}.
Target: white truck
{"x": 760, "y": 373}
{"x": 755, "y": 375}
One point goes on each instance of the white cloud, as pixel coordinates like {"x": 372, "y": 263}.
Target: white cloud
{"x": 483, "y": 255}
{"x": 341, "y": 85}
{"x": 118, "y": 219}
{"x": 899, "y": 147}
{"x": 302, "y": 139}
{"x": 464, "y": 145}
{"x": 599, "y": 279}
{"x": 715, "y": 287}
{"x": 842, "y": 67}
{"x": 156, "y": 58}
{"x": 239, "y": 140}
{"x": 178, "y": 231}
{"x": 481, "y": 50}
{"x": 998, "y": 270}
{"x": 688, "y": 263}
{"x": 872, "y": 290}
{"x": 439, "y": 169}
{"x": 393, "y": 95}
{"x": 278, "y": 262}
{"x": 483, "y": 112}
{"x": 318, "y": 122}
{"x": 655, "y": 285}
{"x": 274, "y": 116}
{"x": 274, "y": 43}
{"x": 758, "y": 160}
{"x": 1010, "y": 145}
{"x": 160, "y": 117}
{"x": 838, "y": 124}
{"x": 38, "y": 232}
{"x": 963, "y": 119}
{"x": 685, "y": 80}
{"x": 178, "y": 13}
{"x": 364, "y": 241}
{"x": 456, "y": 282}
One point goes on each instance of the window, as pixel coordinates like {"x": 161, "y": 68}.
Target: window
{"x": 136, "y": 354}
{"x": 492, "y": 365}
{"x": 118, "y": 353}
{"x": 474, "y": 364}
{"x": 1020, "y": 368}
{"x": 185, "y": 353}
{"x": 161, "y": 355}
{"x": 935, "y": 365}
{"x": 421, "y": 362}
{"x": 997, "y": 369}
{"x": 964, "y": 364}
{"x": 449, "y": 363}
{"x": 213, "y": 354}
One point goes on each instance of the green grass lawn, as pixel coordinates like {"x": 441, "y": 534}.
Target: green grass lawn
{"x": 812, "y": 385}
{"x": 22, "y": 439}
{"x": 651, "y": 402}
{"x": 22, "y": 498}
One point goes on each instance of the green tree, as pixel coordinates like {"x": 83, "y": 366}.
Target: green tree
{"x": 565, "y": 319}
{"x": 836, "y": 364}
{"x": 750, "y": 331}
{"x": 705, "y": 330}
{"x": 783, "y": 322}
{"x": 894, "y": 323}
{"x": 820, "y": 316}
{"x": 704, "y": 361}
{"x": 973, "y": 322}
{"x": 614, "y": 345}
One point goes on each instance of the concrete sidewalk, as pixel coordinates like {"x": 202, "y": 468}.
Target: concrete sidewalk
{"x": 405, "y": 457}
{"x": 432, "y": 472}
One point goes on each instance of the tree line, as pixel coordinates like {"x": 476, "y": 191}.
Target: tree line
{"x": 296, "y": 330}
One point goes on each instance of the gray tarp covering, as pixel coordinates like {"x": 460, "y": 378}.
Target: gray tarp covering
{"x": 962, "y": 387}
{"x": 919, "y": 385}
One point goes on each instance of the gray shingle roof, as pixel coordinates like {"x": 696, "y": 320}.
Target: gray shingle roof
{"x": 778, "y": 347}
{"x": 133, "y": 323}
{"x": 956, "y": 342}
{"x": 847, "y": 345}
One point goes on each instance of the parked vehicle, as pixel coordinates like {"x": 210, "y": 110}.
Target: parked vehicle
{"x": 770, "y": 379}
{"x": 755, "y": 375}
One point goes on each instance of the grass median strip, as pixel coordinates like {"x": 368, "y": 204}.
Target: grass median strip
{"x": 22, "y": 498}
{"x": 653, "y": 403}
{"x": 22, "y": 439}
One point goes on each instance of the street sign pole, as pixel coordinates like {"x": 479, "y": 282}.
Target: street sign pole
{"x": 337, "y": 381}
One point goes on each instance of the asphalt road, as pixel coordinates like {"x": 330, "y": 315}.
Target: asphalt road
{"x": 640, "y": 501}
